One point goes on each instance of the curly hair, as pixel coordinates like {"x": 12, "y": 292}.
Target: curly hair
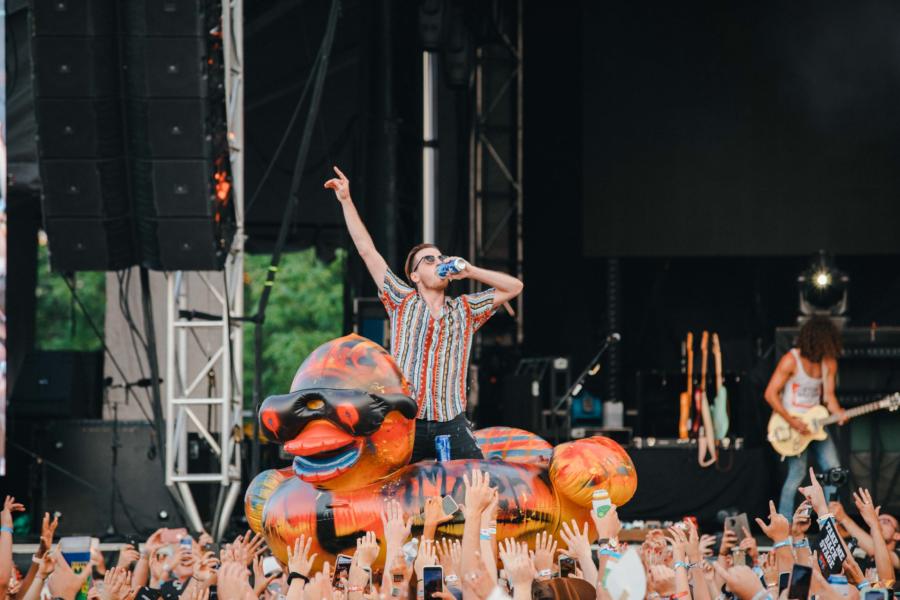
{"x": 819, "y": 338}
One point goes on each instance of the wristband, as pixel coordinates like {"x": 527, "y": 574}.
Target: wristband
{"x": 5, "y": 529}
{"x": 610, "y": 553}
{"x": 681, "y": 565}
{"x": 677, "y": 595}
{"x": 762, "y": 594}
{"x": 783, "y": 543}
{"x": 295, "y": 575}
{"x": 451, "y": 579}
{"x": 863, "y": 585}
{"x": 821, "y": 520}
{"x": 545, "y": 573}
{"x": 486, "y": 534}
{"x": 395, "y": 591}
{"x": 804, "y": 543}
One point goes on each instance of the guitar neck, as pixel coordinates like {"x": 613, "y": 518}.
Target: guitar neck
{"x": 855, "y": 412}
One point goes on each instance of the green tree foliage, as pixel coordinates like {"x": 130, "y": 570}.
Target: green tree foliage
{"x": 60, "y": 324}
{"x": 305, "y": 310}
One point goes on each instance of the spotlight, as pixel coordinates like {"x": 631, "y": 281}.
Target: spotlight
{"x": 822, "y": 279}
{"x": 823, "y": 288}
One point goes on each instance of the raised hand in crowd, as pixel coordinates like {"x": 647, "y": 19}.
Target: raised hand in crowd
{"x": 434, "y": 516}
{"x": 299, "y": 559}
{"x": 488, "y": 532}
{"x": 116, "y": 584}
{"x": 815, "y": 495}
{"x": 425, "y": 558}
{"x": 749, "y": 546}
{"x": 234, "y": 582}
{"x": 48, "y": 530}
{"x": 519, "y": 568}
{"x": 64, "y": 582}
{"x": 396, "y": 528}
{"x": 608, "y": 526}
{"x": 319, "y": 587}
{"x": 579, "y": 546}
{"x": 6, "y": 540}
{"x": 128, "y": 555}
{"x": 479, "y": 496}
{"x": 543, "y": 556}
{"x": 661, "y": 580}
{"x": 874, "y": 543}
{"x": 729, "y": 541}
{"x": 778, "y": 530}
{"x": 478, "y": 583}
{"x": 741, "y": 580}
{"x": 260, "y": 581}
{"x": 679, "y": 541}
{"x": 449, "y": 553}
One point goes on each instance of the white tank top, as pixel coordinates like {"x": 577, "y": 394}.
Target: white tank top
{"x": 802, "y": 392}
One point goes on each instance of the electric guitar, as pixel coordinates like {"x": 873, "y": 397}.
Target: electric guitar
{"x": 706, "y": 443}
{"x": 720, "y": 404}
{"x": 685, "y": 398}
{"x": 790, "y": 442}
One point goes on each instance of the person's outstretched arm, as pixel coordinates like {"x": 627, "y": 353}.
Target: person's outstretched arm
{"x": 358, "y": 232}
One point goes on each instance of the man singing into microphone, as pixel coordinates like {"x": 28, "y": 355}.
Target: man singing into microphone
{"x": 431, "y": 334}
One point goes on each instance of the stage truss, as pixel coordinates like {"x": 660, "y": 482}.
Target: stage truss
{"x": 495, "y": 149}
{"x": 204, "y": 370}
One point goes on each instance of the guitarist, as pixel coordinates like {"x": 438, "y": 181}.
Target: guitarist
{"x": 804, "y": 378}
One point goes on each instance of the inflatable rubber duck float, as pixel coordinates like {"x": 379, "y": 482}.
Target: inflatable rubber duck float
{"x": 349, "y": 423}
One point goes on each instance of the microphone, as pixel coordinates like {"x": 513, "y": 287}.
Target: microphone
{"x": 613, "y": 337}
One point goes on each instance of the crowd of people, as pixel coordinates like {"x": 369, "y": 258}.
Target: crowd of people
{"x": 678, "y": 562}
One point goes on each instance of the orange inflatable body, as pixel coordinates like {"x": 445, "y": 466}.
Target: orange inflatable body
{"x": 350, "y": 422}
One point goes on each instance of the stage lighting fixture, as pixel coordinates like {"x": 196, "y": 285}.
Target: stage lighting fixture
{"x": 823, "y": 288}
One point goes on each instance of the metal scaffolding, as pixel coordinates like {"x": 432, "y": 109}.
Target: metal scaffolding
{"x": 204, "y": 336}
{"x": 495, "y": 145}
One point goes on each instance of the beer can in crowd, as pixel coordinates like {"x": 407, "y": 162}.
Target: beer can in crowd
{"x": 442, "y": 445}
{"x": 449, "y": 268}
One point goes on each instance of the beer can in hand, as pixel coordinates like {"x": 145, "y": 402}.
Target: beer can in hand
{"x": 452, "y": 267}
{"x": 442, "y": 445}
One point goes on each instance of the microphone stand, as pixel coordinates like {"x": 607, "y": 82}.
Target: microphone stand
{"x": 577, "y": 386}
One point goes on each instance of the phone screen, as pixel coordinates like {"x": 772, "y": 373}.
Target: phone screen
{"x": 784, "y": 579}
{"x": 800, "y": 578}
{"x": 566, "y": 565}
{"x": 433, "y": 579}
{"x": 449, "y": 505}
{"x": 341, "y": 570}
{"x": 877, "y": 595}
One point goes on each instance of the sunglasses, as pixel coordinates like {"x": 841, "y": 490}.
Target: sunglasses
{"x": 429, "y": 259}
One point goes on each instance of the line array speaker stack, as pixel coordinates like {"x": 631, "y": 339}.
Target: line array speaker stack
{"x": 132, "y": 133}
{"x": 81, "y": 154}
{"x": 175, "y": 105}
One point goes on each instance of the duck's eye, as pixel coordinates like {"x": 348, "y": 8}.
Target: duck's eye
{"x": 315, "y": 404}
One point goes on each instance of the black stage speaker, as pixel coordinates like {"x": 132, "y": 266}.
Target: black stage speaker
{"x": 81, "y": 153}
{"x": 83, "y": 449}
{"x": 177, "y": 131}
{"x": 58, "y": 384}
{"x": 521, "y": 406}
{"x": 90, "y": 244}
{"x": 84, "y": 188}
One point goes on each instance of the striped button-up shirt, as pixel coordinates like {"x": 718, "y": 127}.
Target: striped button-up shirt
{"x": 432, "y": 353}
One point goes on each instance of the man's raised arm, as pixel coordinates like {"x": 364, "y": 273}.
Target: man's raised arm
{"x": 361, "y": 238}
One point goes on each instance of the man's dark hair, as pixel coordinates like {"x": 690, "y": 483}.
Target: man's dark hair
{"x": 408, "y": 265}
{"x": 819, "y": 338}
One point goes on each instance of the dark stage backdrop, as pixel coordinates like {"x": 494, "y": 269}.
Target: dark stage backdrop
{"x": 749, "y": 128}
